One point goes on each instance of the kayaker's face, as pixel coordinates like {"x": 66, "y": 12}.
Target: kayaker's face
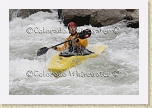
{"x": 72, "y": 29}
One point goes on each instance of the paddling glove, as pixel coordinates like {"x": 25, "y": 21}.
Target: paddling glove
{"x": 86, "y": 33}
{"x": 55, "y": 48}
{"x": 77, "y": 40}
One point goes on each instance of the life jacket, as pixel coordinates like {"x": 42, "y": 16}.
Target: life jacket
{"x": 79, "y": 43}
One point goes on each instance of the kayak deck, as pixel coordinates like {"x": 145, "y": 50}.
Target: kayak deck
{"x": 60, "y": 63}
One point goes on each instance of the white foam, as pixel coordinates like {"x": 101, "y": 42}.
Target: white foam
{"x": 121, "y": 55}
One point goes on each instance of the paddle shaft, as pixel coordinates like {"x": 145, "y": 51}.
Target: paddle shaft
{"x": 67, "y": 41}
{"x": 60, "y": 43}
{"x": 45, "y": 49}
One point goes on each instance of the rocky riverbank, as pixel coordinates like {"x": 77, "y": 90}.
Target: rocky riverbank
{"x": 94, "y": 17}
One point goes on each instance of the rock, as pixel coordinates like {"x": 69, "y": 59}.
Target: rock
{"x": 131, "y": 14}
{"x": 135, "y": 14}
{"x": 79, "y": 16}
{"x": 134, "y": 23}
{"x": 130, "y": 10}
{"x": 128, "y": 16}
{"x": 107, "y": 17}
{"x": 12, "y": 14}
{"x": 95, "y": 17}
{"x": 59, "y": 13}
{"x": 24, "y": 13}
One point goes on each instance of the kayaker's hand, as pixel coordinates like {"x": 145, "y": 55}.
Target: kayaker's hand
{"x": 75, "y": 40}
{"x": 85, "y": 34}
{"x": 52, "y": 47}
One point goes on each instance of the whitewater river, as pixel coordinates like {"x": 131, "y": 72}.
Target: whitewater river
{"x": 115, "y": 72}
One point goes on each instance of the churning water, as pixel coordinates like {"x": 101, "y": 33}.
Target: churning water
{"x": 115, "y": 72}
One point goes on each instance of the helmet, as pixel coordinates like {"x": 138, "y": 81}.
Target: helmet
{"x": 71, "y": 24}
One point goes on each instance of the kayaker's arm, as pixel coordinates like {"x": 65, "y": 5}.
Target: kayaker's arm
{"x": 80, "y": 40}
{"x": 60, "y": 48}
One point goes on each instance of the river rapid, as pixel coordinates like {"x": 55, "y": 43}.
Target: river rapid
{"x": 114, "y": 72}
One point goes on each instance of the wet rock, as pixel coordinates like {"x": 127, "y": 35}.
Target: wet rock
{"x": 12, "y": 14}
{"x": 95, "y": 17}
{"x": 128, "y": 16}
{"x": 107, "y": 17}
{"x": 79, "y": 16}
{"x": 131, "y": 14}
{"x": 134, "y": 23}
{"x": 135, "y": 14}
{"x": 130, "y": 10}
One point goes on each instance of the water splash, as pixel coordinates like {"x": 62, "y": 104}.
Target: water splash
{"x": 115, "y": 71}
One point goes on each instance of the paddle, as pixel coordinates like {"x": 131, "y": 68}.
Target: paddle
{"x": 43, "y": 50}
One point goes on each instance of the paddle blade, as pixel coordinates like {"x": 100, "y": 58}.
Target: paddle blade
{"x": 42, "y": 51}
{"x": 85, "y": 34}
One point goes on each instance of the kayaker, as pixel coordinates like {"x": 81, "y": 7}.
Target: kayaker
{"x": 76, "y": 45}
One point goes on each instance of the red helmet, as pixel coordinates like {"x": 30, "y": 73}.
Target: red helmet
{"x": 71, "y": 24}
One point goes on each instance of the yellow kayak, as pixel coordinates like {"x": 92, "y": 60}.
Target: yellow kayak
{"x": 60, "y": 63}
